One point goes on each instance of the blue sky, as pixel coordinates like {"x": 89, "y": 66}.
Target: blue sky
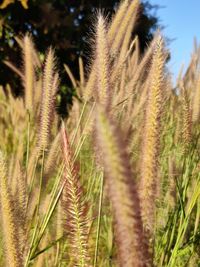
{"x": 182, "y": 21}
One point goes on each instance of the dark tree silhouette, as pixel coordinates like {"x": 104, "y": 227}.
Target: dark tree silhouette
{"x": 64, "y": 25}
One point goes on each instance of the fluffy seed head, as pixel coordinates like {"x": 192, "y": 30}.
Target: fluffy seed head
{"x": 102, "y": 72}
{"x": 131, "y": 11}
{"x": 131, "y": 244}
{"x": 196, "y": 102}
{"x": 74, "y": 208}
{"x": 9, "y": 221}
{"x": 29, "y": 72}
{"x": 49, "y": 87}
{"x": 117, "y": 20}
{"x": 151, "y": 139}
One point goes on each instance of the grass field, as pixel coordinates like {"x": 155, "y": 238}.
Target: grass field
{"x": 118, "y": 182}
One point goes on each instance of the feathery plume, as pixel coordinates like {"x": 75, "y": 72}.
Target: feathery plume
{"x": 22, "y": 192}
{"x": 186, "y": 120}
{"x": 29, "y": 72}
{"x": 143, "y": 65}
{"x": 9, "y": 226}
{"x": 102, "y": 60}
{"x": 117, "y": 20}
{"x": 54, "y": 153}
{"x": 127, "y": 37}
{"x": 114, "y": 38}
{"x": 196, "y": 102}
{"x": 151, "y": 139}
{"x": 74, "y": 207}
{"x": 123, "y": 59}
{"x": 122, "y": 29}
{"x": 49, "y": 87}
{"x": 20, "y": 207}
{"x": 122, "y": 190}
{"x": 90, "y": 85}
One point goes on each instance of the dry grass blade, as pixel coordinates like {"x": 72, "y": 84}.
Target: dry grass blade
{"x": 14, "y": 68}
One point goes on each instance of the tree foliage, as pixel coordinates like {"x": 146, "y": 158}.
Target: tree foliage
{"x": 65, "y": 25}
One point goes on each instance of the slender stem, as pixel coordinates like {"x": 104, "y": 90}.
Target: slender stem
{"x": 31, "y": 244}
{"x": 48, "y": 215}
{"x": 99, "y": 222}
{"x": 40, "y": 186}
{"x": 28, "y": 144}
{"x": 31, "y": 182}
{"x": 37, "y": 208}
{"x": 78, "y": 124}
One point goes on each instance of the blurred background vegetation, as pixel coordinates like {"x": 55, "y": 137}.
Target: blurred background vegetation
{"x": 65, "y": 25}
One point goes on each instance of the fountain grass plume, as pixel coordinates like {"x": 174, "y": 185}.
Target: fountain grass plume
{"x": 9, "y": 220}
{"x": 49, "y": 88}
{"x": 132, "y": 248}
{"x": 196, "y": 101}
{"x": 117, "y": 20}
{"x": 102, "y": 60}
{"x": 131, "y": 11}
{"x": 75, "y": 210}
{"x": 29, "y": 72}
{"x": 151, "y": 139}
{"x": 114, "y": 38}
{"x": 186, "y": 120}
